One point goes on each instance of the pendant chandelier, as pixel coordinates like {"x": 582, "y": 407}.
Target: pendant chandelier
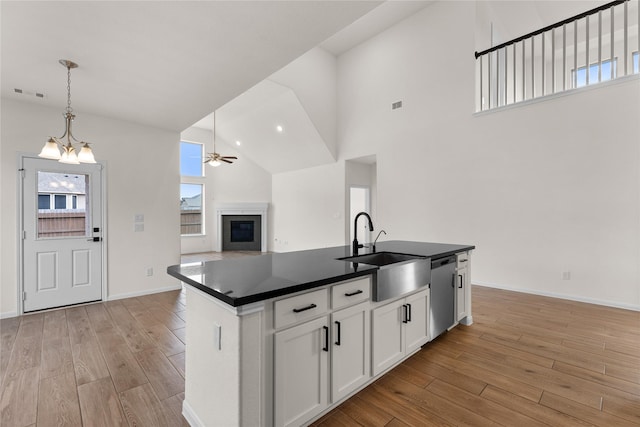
{"x": 52, "y": 148}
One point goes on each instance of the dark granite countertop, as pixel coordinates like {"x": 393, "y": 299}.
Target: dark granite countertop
{"x": 257, "y": 278}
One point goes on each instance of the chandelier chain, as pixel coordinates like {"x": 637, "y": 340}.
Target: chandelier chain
{"x": 69, "y": 109}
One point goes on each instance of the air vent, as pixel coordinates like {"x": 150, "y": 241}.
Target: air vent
{"x": 396, "y": 105}
{"x": 29, "y": 93}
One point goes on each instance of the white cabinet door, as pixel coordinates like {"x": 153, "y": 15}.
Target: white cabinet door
{"x": 388, "y": 340}
{"x": 417, "y": 325}
{"x": 350, "y": 351}
{"x": 461, "y": 293}
{"x": 301, "y": 372}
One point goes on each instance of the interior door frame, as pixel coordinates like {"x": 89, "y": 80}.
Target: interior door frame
{"x": 20, "y": 227}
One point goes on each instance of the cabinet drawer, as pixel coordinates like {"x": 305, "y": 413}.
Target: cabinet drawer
{"x": 301, "y": 307}
{"x": 463, "y": 259}
{"x": 351, "y": 292}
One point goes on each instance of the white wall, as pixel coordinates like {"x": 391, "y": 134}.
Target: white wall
{"x": 308, "y": 208}
{"x": 242, "y": 181}
{"x": 142, "y": 178}
{"x": 541, "y": 188}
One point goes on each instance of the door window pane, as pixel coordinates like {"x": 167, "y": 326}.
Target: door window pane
{"x": 191, "y": 159}
{"x": 61, "y": 201}
{"x": 64, "y": 221}
{"x": 191, "y": 209}
{"x": 44, "y": 201}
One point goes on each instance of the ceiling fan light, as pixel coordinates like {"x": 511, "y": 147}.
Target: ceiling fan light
{"x": 86, "y": 155}
{"x": 50, "y": 150}
{"x": 69, "y": 156}
{"x": 214, "y": 162}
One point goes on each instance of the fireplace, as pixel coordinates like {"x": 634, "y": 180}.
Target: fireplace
{"x": 241, "y": 233}
{"x": 241, "y": 226}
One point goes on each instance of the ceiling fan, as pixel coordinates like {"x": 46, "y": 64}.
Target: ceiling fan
{"x": 215, "y": 159}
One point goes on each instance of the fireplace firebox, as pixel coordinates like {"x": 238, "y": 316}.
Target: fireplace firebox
{"x": 241, "y": 232}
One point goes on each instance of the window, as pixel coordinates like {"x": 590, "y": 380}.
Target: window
{"x": 191, "y": 159}
{"x": 60, "y": 201}
{"x": 44, "y": 201}
{"x": 191, "y": 209}
{"x": 74, "y": 202}
{"x": 636, "y": 64}
{"x": 605, "y": 73}
{"x": 191, "y": 189}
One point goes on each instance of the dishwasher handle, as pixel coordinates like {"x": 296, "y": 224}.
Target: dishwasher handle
{"x": 441, "y": 262}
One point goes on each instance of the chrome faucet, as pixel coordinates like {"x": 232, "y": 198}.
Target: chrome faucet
{"x": 355, "y": 245}
{"x": 378, "y": 236}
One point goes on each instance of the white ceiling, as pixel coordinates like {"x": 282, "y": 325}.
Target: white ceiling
{"x": 374, "y": 22}
{"x": 252, "y": 119}
{"x": 159, "y": 63}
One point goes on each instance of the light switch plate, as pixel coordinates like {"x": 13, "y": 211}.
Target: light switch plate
{"x": 138, "y": 218}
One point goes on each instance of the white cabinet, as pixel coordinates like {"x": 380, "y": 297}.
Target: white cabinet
{"x": 350, "y": 350}
{"x": 417, "y": 327}
{"x": 300, "y": 372}
{"x": 462, "y": 286}
{"x": 329, "y": 353}
{"x": 399, "y": 328}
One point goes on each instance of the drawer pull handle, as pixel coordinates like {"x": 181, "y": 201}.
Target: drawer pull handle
{"x": 300, "y": 310}
{"x": 460, "y": 277}
{"x": 338, "y": 340}
{"x": 405, "y": 311}
{"x": 408, "y": 312}
{"x": 350, "y": 294}
{"x": 462, "y": 260}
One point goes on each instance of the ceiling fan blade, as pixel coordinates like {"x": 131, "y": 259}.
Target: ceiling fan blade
{"x": 230, "y": 157}
{"x": 225, "y": 160}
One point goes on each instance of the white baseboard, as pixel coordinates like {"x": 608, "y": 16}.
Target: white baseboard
{"x": 142, "y": 293}
{"x": 189, "y": 415}
{"x": 634, "y": 307}
{"x": 8, "y": 314}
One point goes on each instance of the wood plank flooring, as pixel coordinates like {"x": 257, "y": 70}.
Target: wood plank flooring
{"x": 527, "y": 361}
{"x": 116, "y": 363}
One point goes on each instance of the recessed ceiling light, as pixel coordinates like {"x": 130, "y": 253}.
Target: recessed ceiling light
{"x": 279, "y": 128}
{"x": 238, "y": 143}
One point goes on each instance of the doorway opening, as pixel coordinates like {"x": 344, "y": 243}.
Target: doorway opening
{"x": 359, "y": 201}
{"x": 361, "y": 188}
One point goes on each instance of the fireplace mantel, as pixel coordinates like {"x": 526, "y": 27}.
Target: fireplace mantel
{"x": 241, "y": 209}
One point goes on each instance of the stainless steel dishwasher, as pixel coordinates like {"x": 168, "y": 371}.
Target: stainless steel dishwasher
{"x": 442, "y": 295}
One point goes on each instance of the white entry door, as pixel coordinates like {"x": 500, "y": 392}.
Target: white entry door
{"x": 62, "y": 236}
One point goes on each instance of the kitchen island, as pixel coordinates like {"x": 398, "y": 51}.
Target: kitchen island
{"x": 280, "y": 339}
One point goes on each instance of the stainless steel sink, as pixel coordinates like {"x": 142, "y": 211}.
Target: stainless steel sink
{"x": 398, "y": 273}
{"x": 381, "y": 258}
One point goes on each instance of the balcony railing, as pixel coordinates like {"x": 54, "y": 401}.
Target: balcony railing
{"x": 599, "y": 45}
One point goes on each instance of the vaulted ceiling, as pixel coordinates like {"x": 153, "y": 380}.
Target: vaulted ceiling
{"x": 160, "y": 63}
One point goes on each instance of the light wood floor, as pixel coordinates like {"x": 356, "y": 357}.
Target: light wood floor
{"x": 526, "y": 361}
{"x": 108, "y": 364}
